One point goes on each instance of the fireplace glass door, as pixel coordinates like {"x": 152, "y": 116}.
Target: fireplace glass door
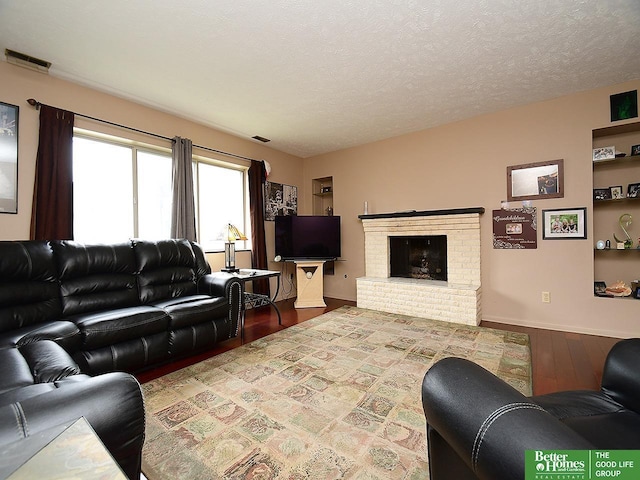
{"x": 422, "y": 257}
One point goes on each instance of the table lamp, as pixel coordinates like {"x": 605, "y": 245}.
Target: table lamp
{"x": 233, "y": 234}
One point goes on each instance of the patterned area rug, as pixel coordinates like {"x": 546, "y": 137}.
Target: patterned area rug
{"x": 337, "y": 396}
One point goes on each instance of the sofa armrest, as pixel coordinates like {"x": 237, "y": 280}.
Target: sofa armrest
{"x": 486, "y": 422}
{"x": 112, "y": 404}
{"x": 223, "y": 284}
{"x": 621, "y": 377}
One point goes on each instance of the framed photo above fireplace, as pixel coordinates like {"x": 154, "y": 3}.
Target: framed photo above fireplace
{"x": 564, "y": 224}
{"x": 535, "y": 181}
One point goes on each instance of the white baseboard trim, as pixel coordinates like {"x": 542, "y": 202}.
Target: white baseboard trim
{"x": 554, "y": 326}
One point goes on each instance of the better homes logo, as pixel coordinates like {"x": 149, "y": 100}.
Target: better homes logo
{"x": 559, "y": 465}
{"x": 556, "y": 465}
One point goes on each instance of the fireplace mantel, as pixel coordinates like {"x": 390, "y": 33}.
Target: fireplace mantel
{"x": 423, "y": 213}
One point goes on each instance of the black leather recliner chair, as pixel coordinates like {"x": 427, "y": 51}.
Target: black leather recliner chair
{"x": 478, "y": 427}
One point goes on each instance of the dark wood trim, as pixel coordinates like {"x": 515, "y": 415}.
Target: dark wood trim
{"x": 424, "y": 213}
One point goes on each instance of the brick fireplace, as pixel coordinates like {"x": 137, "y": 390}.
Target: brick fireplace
{"x": 458, "y": 299}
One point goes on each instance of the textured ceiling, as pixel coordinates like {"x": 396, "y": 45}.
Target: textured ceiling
{"x": 317, "y": 76}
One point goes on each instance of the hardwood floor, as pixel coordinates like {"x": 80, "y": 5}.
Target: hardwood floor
{"x": 560, "y": 360}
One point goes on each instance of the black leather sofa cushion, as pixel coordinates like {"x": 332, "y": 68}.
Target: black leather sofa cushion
{"x": 109, "y": 327}
{"x": 95, "y": 277}
{"x": 14, "y": 370}
{"x": 48, "y": 361}
{"x": 131, "y": 355}
{"x": 28, "y": 285}
{"x": 63, "y": 332}
{"x": 167, "y": 269}
{"x": 194, "y": 309}
{"x": 37, "y": 362}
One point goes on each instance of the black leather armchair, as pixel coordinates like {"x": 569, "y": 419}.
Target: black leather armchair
{"x": 478, "y": 427}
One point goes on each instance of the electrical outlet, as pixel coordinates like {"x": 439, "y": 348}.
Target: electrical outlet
{"x": 546, "y": 297}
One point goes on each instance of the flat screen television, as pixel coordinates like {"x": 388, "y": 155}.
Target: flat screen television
{"x": 307, "y": 237}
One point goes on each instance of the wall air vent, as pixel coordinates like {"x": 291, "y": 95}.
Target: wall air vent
{"x": 260, "y": 139}
{"x": 27, "y": 61}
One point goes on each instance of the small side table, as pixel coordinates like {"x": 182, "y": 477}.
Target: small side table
{"x": 255, "y": 300}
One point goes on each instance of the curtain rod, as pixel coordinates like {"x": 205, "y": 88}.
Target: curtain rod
{"x": 34, "y": 103}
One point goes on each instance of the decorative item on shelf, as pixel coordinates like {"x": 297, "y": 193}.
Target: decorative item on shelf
{"x": 604, "y": 153}
{"x": 326, "y": 189}
{"x": 635, "y": 150}
{"x": 618, "y": 289}
{"x": 329, "y": 211}
{"x": 600, "y": 289}
{"x": 600, "y": 245}
{"x": 233, "y": 234}
{"x": 620, "y": 154}
{"x": 607, "y": 244}
{"x": 366, "y": 208}
{"x": 601, "y": 194}
{"x": 633, "y": 190}
{"x": 616, "y": 192}
{"x": 625, "y": 222}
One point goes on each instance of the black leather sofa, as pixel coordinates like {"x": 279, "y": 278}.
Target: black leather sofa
{"x": 74, "y": 318}
{"x": 478, "y": 427}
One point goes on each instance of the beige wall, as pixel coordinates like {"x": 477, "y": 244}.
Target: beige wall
{"x": 457, "y": 165}
{"x": 464, "y": 165}
{"x": 18, "y": 84}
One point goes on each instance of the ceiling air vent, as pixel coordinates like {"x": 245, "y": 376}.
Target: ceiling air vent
{"x": 261, "y": 139}
{"x": 27, "y": 61}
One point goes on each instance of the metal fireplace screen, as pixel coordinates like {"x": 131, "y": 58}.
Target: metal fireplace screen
{"x": 423, "y": 257}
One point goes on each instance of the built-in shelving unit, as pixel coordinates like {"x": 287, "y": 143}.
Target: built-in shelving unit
{"x": 611, "y": 265}
{"x": 322, "y": 191}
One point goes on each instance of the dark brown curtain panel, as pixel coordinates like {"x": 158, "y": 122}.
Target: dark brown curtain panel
{"x": 257, "y": 179}
{"x": 52, "y": 212}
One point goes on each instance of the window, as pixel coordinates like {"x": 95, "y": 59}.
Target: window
{"x": 221, "y": 200}
{"x": 123, "y": 190}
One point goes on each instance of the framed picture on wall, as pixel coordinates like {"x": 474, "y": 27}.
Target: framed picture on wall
{"x": 280, "y": 200}
{"x": 8, "y": 158}
{"x": 535, "y": 181}
{"x": 564, "y": 223}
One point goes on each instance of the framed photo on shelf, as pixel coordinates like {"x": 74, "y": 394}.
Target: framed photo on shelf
{"x": 635, "y": 150}
{"x": 564, "y": 223}
{"x": 604, "y": 153}
{"x": 600, "y": 289}
{"x": 616, "y": 192}
{"x": 601, "y": 194}
{"x": 633, "y": 190}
